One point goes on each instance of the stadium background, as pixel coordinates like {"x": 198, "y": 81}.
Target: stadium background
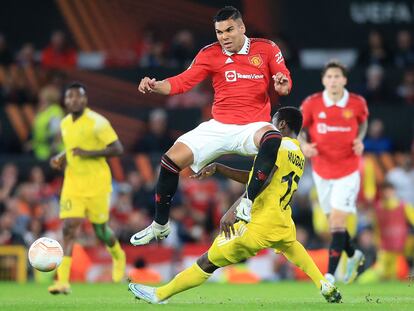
{"x": 111, "y": 44}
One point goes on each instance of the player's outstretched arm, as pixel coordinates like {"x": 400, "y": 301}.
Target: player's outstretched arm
{"x": 148, "y": 85}
{"x": 112, "y": 150}
{"x": 240, "y": 176}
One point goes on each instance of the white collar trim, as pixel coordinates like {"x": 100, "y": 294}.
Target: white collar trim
{"x": 244, "y": 50}
{"x": 341, "y": 103}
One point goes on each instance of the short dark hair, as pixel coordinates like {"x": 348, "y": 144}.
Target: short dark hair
{"x": 75, "y": 85}
{"x": 226, "y": 13}
{"x": 335, "y": 64}
{"x": 292, "y": 116}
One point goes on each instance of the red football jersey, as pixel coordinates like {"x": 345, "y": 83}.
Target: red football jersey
{"x": 240, "y": 80}
{"x": 333, "y": 127}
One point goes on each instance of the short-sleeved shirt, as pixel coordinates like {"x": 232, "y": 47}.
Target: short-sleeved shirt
{"x": 271, "y": 213}
{"x": 84, "y": 176}
{"x": 333, "y": 127}
{"x": 240, "y": 80}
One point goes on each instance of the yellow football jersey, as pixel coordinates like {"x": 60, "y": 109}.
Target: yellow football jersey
{"x": 271, "y": 214}
{"x": 86, "y": 177}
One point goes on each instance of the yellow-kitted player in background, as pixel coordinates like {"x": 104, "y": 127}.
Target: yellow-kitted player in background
{"x": 88, "y": 140}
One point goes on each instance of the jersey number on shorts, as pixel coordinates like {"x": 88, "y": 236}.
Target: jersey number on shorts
{"x": 289, "y": 178}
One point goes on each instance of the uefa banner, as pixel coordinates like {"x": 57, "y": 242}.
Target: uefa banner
{"x": 342, "y": 24}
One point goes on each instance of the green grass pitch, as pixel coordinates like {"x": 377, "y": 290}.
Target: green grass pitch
{"x": 264, "y": 296}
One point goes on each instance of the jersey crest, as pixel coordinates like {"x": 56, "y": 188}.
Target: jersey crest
{"x": 348, "y": 113}
{"x": 256, "y": 60}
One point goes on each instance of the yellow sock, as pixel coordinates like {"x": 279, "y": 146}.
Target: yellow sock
{"x": 63, "y": 271}
{"x": 116, "y": 250}
{"x": 189, "y": 278}
{"x": 298, "y": 255}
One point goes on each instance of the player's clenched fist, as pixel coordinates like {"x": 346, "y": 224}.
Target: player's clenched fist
{"x": 146, "y": 85}
{"x": 281, "y": 83}
{"x": 58, "y": 161}
{"x": 358, "y": 146}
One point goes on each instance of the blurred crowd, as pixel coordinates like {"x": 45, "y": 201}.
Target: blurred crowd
{"x": 152, "y": 51}
{"x": 29, "y": 195}
{"x": 148, "y": 51}
{"x": 379, "y": 55}
{"x": 36, "y": 77}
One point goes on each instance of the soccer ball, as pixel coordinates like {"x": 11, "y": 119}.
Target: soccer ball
{"x": 45, "y": 254}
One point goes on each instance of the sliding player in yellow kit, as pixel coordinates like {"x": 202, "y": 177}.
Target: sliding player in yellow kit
{"x": 88, "y": 139}
{"x": 245, "y": 232}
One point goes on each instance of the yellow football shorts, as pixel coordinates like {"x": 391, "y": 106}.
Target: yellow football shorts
{"x": 95, "y": 209}
{"x": 243, "y": 245}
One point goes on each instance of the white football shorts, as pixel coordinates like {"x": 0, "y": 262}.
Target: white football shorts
{"x": 211, "y": 139}
{"x": 340, "y": 194}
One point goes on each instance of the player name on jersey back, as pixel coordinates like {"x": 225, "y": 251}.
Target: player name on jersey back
{"x": 296, "y": 159}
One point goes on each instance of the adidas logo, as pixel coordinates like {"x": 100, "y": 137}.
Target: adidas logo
{"x": 228, "y": 60}
{"x": 322, "y": 115}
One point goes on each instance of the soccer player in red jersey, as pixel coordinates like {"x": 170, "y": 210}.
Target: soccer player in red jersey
{"x": 335, "y": 123}
{"x": 241, "y": 69}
